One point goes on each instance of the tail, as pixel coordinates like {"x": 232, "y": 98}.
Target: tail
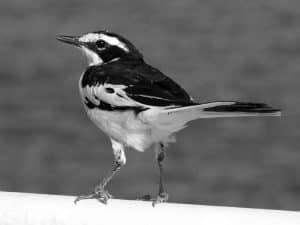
{"x": 182, "y": 115}
{"x": 236, "y": 109}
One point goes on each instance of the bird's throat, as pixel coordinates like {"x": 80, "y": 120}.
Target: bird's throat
{"x": 92, "y": 57}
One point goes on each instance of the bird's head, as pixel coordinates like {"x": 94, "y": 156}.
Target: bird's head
{"x": 103, "y": 47}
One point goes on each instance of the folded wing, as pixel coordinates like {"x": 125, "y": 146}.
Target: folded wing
{"x": 139, "y": 85}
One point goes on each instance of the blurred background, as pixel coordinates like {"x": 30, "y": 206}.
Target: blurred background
{"x": 218, "y": 50}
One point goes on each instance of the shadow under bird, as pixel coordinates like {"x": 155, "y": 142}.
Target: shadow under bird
{"x": 138, "y": 106}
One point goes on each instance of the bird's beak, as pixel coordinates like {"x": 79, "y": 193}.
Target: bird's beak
{"x": 73, "y": 40}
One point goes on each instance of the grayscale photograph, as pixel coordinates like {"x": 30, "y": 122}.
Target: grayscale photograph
{"x": 161, "y": 106}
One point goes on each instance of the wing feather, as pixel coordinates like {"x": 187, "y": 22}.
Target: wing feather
{"x": 138, "y": 84}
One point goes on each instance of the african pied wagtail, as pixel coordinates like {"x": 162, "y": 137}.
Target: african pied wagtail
{"x": 138, "y": 106}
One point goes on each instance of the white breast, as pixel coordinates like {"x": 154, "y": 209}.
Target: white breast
{"x": 127, "y": 127}
{"x": 124, "y": 127}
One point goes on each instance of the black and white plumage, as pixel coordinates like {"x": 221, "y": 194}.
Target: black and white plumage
{"x": 138, "y": 106}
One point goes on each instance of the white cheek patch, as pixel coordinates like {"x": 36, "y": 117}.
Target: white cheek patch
{"x": 93, "y": 58}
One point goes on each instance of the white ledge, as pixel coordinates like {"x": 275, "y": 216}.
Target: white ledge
{"x": 42, "y": 209}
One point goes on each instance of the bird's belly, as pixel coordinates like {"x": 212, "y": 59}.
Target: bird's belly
{"x": 124, "y": 127}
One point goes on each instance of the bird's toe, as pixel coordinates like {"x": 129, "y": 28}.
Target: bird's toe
{"x": 162, "y": 197}
{"x": 100, "y": 194}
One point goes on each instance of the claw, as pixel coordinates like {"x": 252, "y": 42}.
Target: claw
{"x": 162, "y": 197}
{"x": 82, "y": 197}
{"x": 100, "y": 194}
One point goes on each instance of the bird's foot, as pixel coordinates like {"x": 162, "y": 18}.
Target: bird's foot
{"x": 162, "y": 197}
{"x": 100, "y": 194}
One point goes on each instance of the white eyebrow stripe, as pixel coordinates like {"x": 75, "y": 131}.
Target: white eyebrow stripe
{"x": 92, "y": 37}
{"x": 113, "y": 41}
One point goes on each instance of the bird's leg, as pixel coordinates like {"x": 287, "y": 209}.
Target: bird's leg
{"x": 99, "y": 192}
{"x": 162, "y": 195}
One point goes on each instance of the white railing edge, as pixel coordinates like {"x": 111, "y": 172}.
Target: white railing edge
{"x": 43, "y": 209}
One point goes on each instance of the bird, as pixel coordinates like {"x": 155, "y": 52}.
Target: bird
{"x": 137, "y": 105}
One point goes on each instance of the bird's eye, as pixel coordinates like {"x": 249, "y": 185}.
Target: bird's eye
{"x": 100, "y": 44}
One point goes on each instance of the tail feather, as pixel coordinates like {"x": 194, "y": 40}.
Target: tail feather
{"x": 182, "y": 115}
{"x": 245, "y": 107}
